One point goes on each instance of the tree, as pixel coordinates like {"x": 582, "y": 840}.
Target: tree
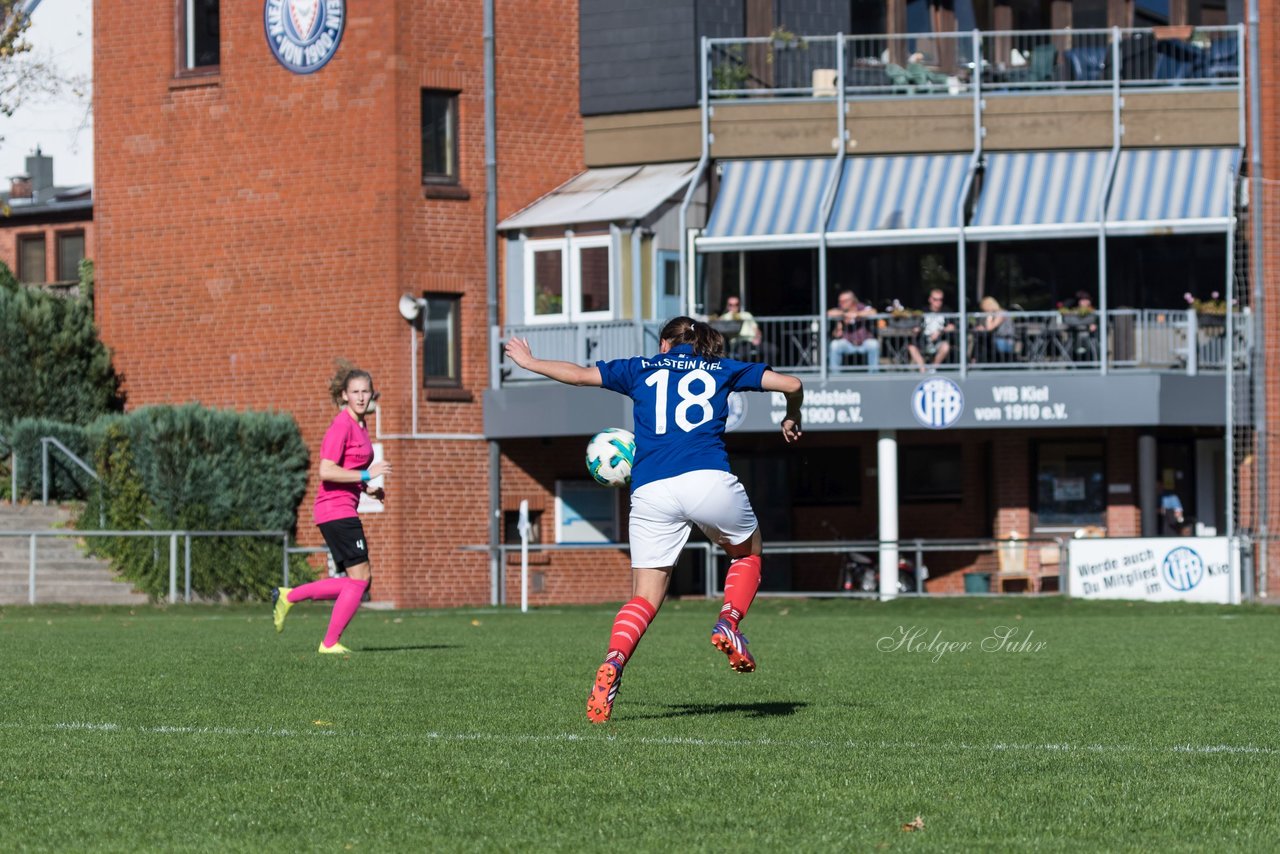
{"x": 49, "y": 348}
{"x": 23, "y": 76}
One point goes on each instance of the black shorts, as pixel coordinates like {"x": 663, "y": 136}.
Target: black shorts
{"x": 346, "y": 542}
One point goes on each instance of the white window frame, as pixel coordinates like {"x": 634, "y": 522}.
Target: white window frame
{"x": 576, "y": 245}
{"x": 570, "y": 249}
{"x": 530, "y": 290}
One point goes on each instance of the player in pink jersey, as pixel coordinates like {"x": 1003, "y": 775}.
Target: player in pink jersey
{"x": 345, "y": 472}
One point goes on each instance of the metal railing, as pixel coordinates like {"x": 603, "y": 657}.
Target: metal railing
{"x": 172, "y": 535}
{"x": 952, "y": 64}
{"x": 1027, "y": 563}
{"x": 1137, "y": 339}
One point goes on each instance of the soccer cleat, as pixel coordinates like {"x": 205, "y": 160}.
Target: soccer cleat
{"x": 603, "y": 690}
{"x": 733, "y": 644}
{"x": 336, "y": 649}
{"x": 280, "y": 606}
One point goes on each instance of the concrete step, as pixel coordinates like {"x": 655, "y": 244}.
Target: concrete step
{"x": 118, "y": 594}
{"x": 60, "y": 573}
{"x": 33, "y": 517}
{"x": 64, "y": 573}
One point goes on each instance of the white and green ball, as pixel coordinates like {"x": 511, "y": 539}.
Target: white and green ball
{"x": 610, "y": 454}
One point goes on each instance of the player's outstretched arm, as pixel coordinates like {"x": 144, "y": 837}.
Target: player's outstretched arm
{"x": 566, "y": 372}
{"x": 793, "y": 389}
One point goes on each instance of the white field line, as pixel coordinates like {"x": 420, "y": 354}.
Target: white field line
{"x": 604, "y": 738}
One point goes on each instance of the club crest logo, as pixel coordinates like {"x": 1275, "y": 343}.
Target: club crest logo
{"x": 304, "y": 34}
{"x": 737, "y": 411}
{"x": 937, "y": 403}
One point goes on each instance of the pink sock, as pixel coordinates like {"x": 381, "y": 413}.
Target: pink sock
{"x": 325, "y": 588}
{"x": 344, "y": 609}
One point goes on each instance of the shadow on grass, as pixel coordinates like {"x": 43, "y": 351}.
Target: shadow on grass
{"x": 412, "y": 648}
{"x": 751, "y": 710}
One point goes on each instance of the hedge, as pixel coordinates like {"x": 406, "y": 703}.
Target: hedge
{"x": 191, "y": 468}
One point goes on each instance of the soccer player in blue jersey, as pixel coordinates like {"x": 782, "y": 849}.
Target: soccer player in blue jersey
{"x": 680, "y": 478}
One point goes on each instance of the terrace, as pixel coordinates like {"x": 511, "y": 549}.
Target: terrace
{"x": 1125, "y": 340}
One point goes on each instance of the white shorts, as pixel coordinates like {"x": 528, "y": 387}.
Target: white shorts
{"x": 663, "y": 511}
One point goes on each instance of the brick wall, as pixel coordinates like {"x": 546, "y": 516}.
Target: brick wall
{"x": 1269, "y": 282}
{"x": 257, "y": 224}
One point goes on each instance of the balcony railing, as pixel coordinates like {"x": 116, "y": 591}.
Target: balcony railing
{"x": 952, "y": 64}
{"x": 1164, "y": 340}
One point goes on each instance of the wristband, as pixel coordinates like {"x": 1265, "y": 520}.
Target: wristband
{"x": 364, "y": 476}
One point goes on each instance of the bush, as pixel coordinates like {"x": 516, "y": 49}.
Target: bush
{"x": 50, "y": 351}
{"x": 191, "y": 468}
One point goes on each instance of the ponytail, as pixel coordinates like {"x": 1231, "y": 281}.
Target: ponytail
{"x": 706, "y": 341}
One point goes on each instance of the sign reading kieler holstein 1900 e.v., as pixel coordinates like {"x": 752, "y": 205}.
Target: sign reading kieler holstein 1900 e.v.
{"x": 1190, "y": 569}
{"x": 304, "y": 34}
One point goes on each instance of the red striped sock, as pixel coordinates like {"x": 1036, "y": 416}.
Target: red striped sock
{"x": 629, "y": 626}
{"x": 740, "y": 587}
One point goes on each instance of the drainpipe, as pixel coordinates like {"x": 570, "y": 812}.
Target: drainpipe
{"x": 1229, "y": 486}
{"x": 704, "y": 65}
{"x": 1117, "y": 132}
{"x": 962, "y": 255}
{"x": 491, "y": 287}
{"x": 828, "y": 202}
{"x": 1258, "y": 295}
{"x": 637, "y": 272}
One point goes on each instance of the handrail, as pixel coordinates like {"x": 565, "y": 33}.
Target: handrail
{"x": 45, "y": 442}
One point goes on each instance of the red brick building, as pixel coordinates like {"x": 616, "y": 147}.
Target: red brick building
{"x": 45, "y": 229}
{"x": 255, "y": 222}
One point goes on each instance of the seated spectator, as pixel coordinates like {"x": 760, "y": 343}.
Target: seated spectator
{"x": 1083, "y": 323}
{"x": 996, "y": 329}
{"x": 851, "y": 333}
{"x": 934, "y": 342}
{"x": 748, "y": 344}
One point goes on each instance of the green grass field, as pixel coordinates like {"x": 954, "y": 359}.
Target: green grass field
{"x": 1133, "y": 727}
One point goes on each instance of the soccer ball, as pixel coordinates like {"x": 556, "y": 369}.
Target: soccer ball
{"x": 609, "y": 456}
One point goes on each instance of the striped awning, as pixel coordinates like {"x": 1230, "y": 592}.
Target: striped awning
{"x": 768, "y": 204}
{"x": 1173, "y": 191}
{"x": 898, "y": 199}
{"x": 1028, "y": 195}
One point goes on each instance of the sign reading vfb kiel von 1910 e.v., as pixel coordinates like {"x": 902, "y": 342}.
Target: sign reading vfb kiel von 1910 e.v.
{"x": 304, "y": 34}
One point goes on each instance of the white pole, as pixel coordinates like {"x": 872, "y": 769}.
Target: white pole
{"x": 173, "y": 569}
{"x": 887, "y": 478}
{"x": 31, "y": 573}
{"x": 524, "y": 556}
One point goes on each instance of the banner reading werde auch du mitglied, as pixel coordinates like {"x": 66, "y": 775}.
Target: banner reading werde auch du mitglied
{"x": 1164, "y": 569}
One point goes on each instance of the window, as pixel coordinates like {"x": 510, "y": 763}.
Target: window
{"x": 593, "y": 275}
{"x": 931, "y": 473}
{"x": 199, "y": 50}
{"x": 568, "y": 280}
{"x": 442, "y": 336}
{"x": 546, "y": 270}
{"x": 31, "y": 259}
{"x": 439, "y": 137}
{"x": 1071, "y": 488}
{"x": 70, "y": 254}
{"x": 511, "y": 526}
